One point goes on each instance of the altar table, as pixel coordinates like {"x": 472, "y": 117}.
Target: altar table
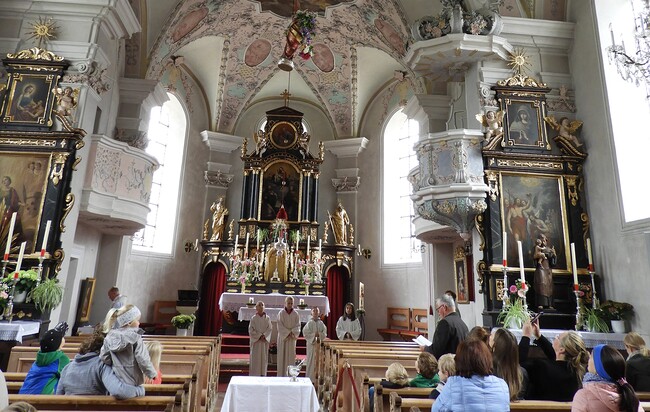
{"x": 15, "y": 330}
{"x": 233, "y": 301}
{"x": 246, "y": 313}
{"x": 269, "y": 394}
{"x": 591, "y": 339}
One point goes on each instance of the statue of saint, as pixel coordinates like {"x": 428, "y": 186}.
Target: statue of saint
{"x": 275, "y": 268}
{"x": 219, "y": 215}
{"x": 340, "y": 222}
{"x": 545, "y": 258}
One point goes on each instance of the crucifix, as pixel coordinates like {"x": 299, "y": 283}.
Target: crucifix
{"x": 286, "y": 95}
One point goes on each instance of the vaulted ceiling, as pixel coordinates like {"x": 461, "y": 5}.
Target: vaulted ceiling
{"x": 226, "y": 52}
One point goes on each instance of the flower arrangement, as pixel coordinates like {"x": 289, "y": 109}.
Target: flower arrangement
{"x": 613, "y": 310}
{"x": 27, "y": 280}
{"x": 306, "y": 22}
{"x": 4, "y": 297}
{"x": 514, "y": 311}
{"x": 183, "y": 321}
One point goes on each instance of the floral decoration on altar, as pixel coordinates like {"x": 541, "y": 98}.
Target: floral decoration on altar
{"x": 515, "y": 311}
{"x": 244, "y": 270}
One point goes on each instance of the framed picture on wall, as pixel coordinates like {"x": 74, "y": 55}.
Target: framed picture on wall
{"x": 462, "y": 276}
{"x": 280, "y": 185}
{"x": 531, "y": 205}
{"x": 524, "y": 123}
{"x": 29, "y": 100}
{"x": 86, "y": 299}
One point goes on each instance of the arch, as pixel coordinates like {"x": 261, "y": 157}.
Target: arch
{"x": 213, "y": 284}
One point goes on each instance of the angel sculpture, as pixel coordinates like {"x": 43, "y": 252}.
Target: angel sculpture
{"x": 303, "y": 141}
{"x": 493, "y": 122}
{"x": 66, "y": 100}
{"x": 565, "y": 128}
{"x": 261, "y": 141}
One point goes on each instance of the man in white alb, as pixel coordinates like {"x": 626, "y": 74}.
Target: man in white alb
{"x": 288, "y": 331}
{"x": 314, "y": 332}
{"x": 259, "y": 331}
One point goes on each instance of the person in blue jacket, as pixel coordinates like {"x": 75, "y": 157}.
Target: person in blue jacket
{"x": 44, "y": 374}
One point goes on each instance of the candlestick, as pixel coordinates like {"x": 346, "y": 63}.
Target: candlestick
{"x": 308, "y": 241}
{"x": 574, "y": 264}
{"x": 504, "y": 246}
{"x": 10, "y": 235}
{"x": 45, "y": 236}
{"x": 236, "y": 243}
{"x": 521, "y": 261}
{"x": 578, "y": 316}
{"x": 589, "y": 256}
{"x": 19, "y": 263}
{"x": 251, "y": 300}
{"x": 246, "y": 247}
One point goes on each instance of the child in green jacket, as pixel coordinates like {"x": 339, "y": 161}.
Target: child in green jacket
{"x": 427, "y": 369}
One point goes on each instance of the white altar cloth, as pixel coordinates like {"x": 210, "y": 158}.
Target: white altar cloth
{"x": 17, "y": 329}
{"x": 269, "y": 394}
{"x": 246, "y": 313}
{"x": 591, "y": 339}
{"x": 233, "y": 301}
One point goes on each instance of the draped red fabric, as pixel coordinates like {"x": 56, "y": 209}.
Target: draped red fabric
{"x": 337, "y": 285}
{"x": 213, "y": 285}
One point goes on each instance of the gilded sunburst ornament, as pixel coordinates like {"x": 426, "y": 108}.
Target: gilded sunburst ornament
{"x": 519, "y": 62}
{"x": 43, "y": 30}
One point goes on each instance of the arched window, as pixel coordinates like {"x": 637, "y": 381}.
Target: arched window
{"x": 167, "y": 130}
{"x": 628, "y": 104}
{"x": 399, "y": 243}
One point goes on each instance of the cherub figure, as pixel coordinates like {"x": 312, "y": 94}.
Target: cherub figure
{"x": 565, "y": 128}
{"x": 66, "y": 100}
{"x": 303, "y": 141}
{"x": 261, "y": 141}
{"x": 493, "y": 122}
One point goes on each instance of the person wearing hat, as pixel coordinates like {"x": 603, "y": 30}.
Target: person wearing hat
{"x": 44, "y": 374}
{"x": 604, "y": 388}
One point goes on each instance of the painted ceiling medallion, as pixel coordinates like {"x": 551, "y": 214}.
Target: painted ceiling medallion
{"x": 323, "y": 57}
{"x": 188, "y": 23}
{"x": 257, "y": 52}
{"x": 285, "y": 8}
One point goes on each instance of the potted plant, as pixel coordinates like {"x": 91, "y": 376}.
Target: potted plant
{"x": 595, "y": 320}
{"x": 27, "y": 280}
{"x": 183, "y": 323}
{"x": 514, "y": 312}
{"x": 617, "y": 313}
{"x": 47, "y": 295}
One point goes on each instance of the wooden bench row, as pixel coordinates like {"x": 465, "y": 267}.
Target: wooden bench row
{"x": 405, "y": 323}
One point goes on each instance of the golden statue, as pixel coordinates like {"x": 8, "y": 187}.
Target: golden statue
{"x": 325, "y": 234}
{"x": 339, "y": 222}
{"x": 219, "y": 214}
{"x": 351, "y": 242}
{"x": 206, "y": 229}
{"x": 276, "y": 262}
{"x": 231, "y": 229}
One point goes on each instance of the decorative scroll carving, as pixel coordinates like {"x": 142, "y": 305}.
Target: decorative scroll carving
{"x": 458, "y": 213}
{"x": 529, "y": 164}
{"x": 57, "y": 167}
{"x": 69, "y": 202}
{"x": 35, "y": 53}
{"x": 478, "y": 223}
{"x": 134, "y": 138}
{"x": 217, "y": 178}
{"x": 572, "y": 189}
{"x": 346, "y": 185}
{"x": 493, "y": 184}
{"x": 59, "y": 256}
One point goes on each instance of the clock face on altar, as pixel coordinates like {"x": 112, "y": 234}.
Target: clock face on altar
{"x": 283, "y": 135}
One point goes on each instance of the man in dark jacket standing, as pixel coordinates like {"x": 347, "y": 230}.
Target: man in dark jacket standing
{"x": 451, "y": 329}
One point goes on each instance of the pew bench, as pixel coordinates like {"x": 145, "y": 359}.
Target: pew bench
{"x": 397, "y": 321}
{"x": 99, "y": 403}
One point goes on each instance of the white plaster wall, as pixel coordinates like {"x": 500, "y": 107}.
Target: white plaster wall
{"x": 620, "y": 253}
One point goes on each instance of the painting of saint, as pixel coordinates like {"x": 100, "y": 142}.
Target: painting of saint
{"x": 280, "y": 186}
{"x": 462, "y": 286}
{"x": 523, "y": 125}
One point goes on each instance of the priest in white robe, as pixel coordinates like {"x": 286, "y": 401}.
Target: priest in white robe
{"x": 314, "y": 331}
{"x": 348, "y": 326}
{"x": 288, "y": 331}
{"x": 259, "y": 331}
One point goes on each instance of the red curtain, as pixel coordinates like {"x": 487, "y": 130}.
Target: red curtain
{"x": 337, "y": 284}
{"x": 212, "y": 286}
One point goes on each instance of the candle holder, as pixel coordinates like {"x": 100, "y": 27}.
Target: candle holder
{"x": 8, "y": 312}
{"x": 41, "y": 258}
{"x": 506, "y": 295}
{"x": 595, "y": 303}
{"x": 576, "y": 291}
{"x": 4, "y": 266}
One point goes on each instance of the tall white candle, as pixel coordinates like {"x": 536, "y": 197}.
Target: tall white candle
{"x": 246, "y": 247}
{"x": 45, "y": 236}
{"x": 505, "y": 249}
{"x": 297, "y": 240}
{"x": 258, "y": 240}
{"x": 521, "y": 261}
{"x": 308, "y": 240}
{"x": 574, "y": 266}
{"x": 236, "y": 244}
{"x": 19, "y": 263}
{"x": 10, "y": 235}
{"x": 589, "y": 256}
{"x": 320, "y": 245}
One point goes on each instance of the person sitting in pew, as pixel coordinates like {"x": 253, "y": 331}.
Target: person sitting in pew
{"x": 474, "y": 388}
{"x": 604, "y": 388}
{"x": 427, "y": 368}
{"x": 43, "y": 376}
{"x": 564, "y": 366}
{"x": 396, "y": 378}
{"x": 88, "y": 375}
{"x": 479, "y": 332}
{"x": 155, "y": 349}
{"x": 446, "y": 368}
{"x": 348, "y": 326}
{"x": 638, "y": 362}
{"x": 20, "y": 407}
{"x": 505, "y": 357}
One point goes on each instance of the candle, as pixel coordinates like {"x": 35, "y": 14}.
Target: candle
{"x": 302, "y": 302}
{"x": 11, "y": 233}
{"x": 521, "y": 261}
{"x": 359, "y": 248}
{"x": 19, "y": 263}
{"x": 258, "y": 239}
{"x": 250, "y": 300}
{"x": 504, "y": 246}
{"x": 611, "y": 32}
{"x": 589, "y": 256}
{"x": 573, "y": 264}
{"x": 308, "y": 240}
{"x": 297, "y": 240}
{"x": 236, "y": 243}
{"x": 45, "y": 236}
{"x": 246, "y": 247}
{"x": 320, "y": 246}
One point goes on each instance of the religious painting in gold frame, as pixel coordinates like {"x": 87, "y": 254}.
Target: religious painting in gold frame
{"x": 280, "y": 185}
{"x": 86, "y": 295}
{"x": 532, "y": 204}
{"x": 524, "y": 123}
{"x": 462, "y": 276}
{"x": 23, "y": 179}
{"x": 29, "y": 100}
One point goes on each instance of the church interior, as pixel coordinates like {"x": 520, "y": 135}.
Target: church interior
{"x": 400, "y": 149}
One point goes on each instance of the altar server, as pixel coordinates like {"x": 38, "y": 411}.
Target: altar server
{"x": 259, "y": 330}
{"x": 348, "y": 326}
{"x": 288, "y": 331}
{"x": 314, "y": 331}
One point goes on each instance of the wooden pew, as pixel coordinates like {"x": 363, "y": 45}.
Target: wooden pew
{"x": 419, "y": 325}
{"x": 397, "y": 320}
{"x": 382, "y": 401}
{"x": 99, "y": 403}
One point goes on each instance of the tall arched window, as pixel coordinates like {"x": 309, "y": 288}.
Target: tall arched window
{"x": 167, "y": 130}
{"x": 399, "y": 243}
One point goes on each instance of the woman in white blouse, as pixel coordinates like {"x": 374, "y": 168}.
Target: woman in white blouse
{"x": 348, "y": 326}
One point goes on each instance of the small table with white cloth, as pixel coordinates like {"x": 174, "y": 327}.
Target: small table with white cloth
{"x": 269, "y": 394}
{"x": 12, "y": 333}
{"x": 233, "y": 301}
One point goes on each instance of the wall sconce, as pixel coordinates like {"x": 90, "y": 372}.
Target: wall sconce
{"x": 191, "y": 246}
{"x": 366, "y": 253}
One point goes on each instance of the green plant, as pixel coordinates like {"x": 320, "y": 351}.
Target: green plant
{"x": 27, "y": 280}
{"x": 595, "y": 320}
{"x": 514, "y": 313}
{"x": 183, "y": 321}
{"x": 613, "y": 310}
{"x": 47, "y": 295}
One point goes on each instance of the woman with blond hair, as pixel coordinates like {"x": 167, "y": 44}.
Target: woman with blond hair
{"x": 558, "y": 376}
{"x": 638, "y": 362}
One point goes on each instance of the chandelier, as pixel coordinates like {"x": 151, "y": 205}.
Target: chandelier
{"x": 634, "y": 66}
